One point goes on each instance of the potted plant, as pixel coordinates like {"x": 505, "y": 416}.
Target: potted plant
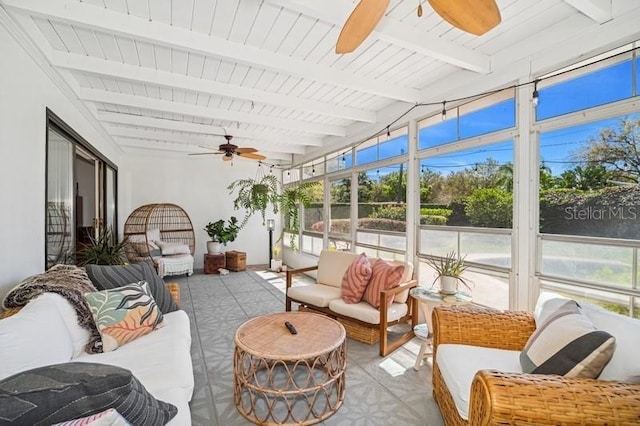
{"x": 276, "y": 262}
{"x": 103, "y": 250}
{"x": 449, "y": 269}
{"x": 221, "y": 234}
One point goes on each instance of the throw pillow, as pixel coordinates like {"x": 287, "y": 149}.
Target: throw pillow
{"x": 57, "y": 393}
{"x": 568, "y": 344}
{"x": 169, "y": 249}
{"x": 33, "y": 337}
{"x": 355, "y": 279}
{"x": 68, "y": 281}
{"x": 383, "y": 277}
{"x": 123, "y": 314}
{"x": 113, "y": 276}
{"x": 108, "y": 417}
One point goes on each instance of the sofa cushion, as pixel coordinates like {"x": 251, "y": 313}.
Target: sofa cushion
{"x": 105, "y": 277}
{"x": 355, "y": 279}
{"x": 458, "y": 365}
{"x": 79, "y": 335}
{"x": 34, "y": 337}
{"x": 108, "y": 417}
{"x": 567, "y": 343}
{"x": 625, "y": 362}
{"x": 123, "y": 314}
{"x": 363, "y": 311}
{"x": 315, "y": 294}
{"x": 171, "y": 248}
{"x": 60, "y": 392}
{"x": 384, "y": 276}
{"x": 160, "y": 360}
{"x": 332, "y": 265}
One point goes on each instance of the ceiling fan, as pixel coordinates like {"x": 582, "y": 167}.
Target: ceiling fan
{"x": 228, "y": 150}
{"x": 473, "y": 16}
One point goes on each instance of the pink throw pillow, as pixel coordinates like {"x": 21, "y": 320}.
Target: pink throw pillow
{"x": 355, "y": 279}
{"x": 383, "y": 277}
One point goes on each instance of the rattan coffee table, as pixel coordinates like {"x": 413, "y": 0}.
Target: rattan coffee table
{"x": 284, "y": 378}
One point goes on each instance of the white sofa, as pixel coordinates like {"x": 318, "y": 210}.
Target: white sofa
{"x": 46, "y": 332}
{"x": 362, "y": 321}
{"x": 478, "y": 377}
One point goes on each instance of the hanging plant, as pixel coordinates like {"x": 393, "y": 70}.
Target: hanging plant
{"x": 291, "y": 198}
{"x": 256, "y": 196}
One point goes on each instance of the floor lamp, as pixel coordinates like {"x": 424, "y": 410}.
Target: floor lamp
{"x": 271, "y": 225}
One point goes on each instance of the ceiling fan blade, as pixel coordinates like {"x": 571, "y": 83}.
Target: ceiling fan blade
{"x": 205, "y": 153}
{"x": 360, "y": 23}
{"x": 207, "y": 147}
{"x": 245, "y": 150}
{"x": 252, "y": 156}
{"x": 473, "y": 16}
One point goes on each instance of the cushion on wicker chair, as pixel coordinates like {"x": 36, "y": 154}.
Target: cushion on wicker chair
{"x": 567, "y": 343}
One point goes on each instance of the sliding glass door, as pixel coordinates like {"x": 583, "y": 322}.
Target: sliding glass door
{"x": 81, "y": 194}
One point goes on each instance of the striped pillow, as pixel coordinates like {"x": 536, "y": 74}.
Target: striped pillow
{"x": 105, "y": 277}
{"x": 383, "y": 277}
{"x": 355, "y": 279}
{"x": 568, "y": 344}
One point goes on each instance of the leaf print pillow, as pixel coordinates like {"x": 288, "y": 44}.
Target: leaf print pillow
{"x": 123, "y": 314}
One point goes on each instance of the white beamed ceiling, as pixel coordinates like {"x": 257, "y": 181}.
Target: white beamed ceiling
{"x": 174, "y": 75}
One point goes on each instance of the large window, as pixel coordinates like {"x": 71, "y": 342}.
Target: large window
{"x": 589, "y": 197}
{"x": 393, "y": 144}
{"x": 491, "y": 114}
{"x": 340, "y": 211}
{"x": 313, "y": 221}
{"x": 382, "y": 210}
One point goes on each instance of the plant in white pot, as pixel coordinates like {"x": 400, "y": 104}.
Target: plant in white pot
{"x": 276, "y": 262}
{"x": 449, "y": 269}
{"x": 221, "y": 234}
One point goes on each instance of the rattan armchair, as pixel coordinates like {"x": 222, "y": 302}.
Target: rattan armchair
{"x": 500, "y": 398}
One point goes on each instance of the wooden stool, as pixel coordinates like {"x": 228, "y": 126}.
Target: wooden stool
{"x": 213, "y": 262}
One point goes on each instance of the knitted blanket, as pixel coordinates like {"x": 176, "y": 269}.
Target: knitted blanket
{"x": 68, "y": 281}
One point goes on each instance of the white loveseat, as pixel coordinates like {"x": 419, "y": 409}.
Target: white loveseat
{"x": 46, "y": 332}
{"x": 362, "y": 321}
{"x": 478, "y": 378}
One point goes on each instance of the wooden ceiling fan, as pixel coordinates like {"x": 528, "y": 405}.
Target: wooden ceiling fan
{"x": 473, "y": 16}
{"x": 228, "y": 150}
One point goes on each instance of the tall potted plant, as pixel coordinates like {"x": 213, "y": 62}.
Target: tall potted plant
{"x": 103, "y": 250}
{"x": 221, "y": 234}
{"x": 449, "y": 269}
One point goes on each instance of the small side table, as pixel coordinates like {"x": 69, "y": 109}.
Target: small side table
{"x": 213, "y": 262}
{"x": 427, "y": 300}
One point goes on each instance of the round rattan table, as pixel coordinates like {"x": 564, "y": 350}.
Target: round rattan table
{"x": 284, "y": 378}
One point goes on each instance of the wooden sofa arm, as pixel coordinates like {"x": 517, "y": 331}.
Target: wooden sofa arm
{"x": 511, "y": 398}
{"x": 292, "y": 272}
{"x": 174, "y": 289}
{"x": 478, "y": 326}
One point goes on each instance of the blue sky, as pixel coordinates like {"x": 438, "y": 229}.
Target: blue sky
{"x": 557, "y": 148}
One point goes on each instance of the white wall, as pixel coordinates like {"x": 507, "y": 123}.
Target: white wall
{"x": 199, "y": 186}
{"x": 25, "y": 93}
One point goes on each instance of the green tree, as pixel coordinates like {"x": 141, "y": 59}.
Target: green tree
{"x": 589, "y": 177}
{"x": 490, "y": 208}
{"x": 618, "y": 149}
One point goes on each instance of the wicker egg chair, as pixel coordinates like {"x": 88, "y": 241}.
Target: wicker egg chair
{"x": 164, "y": 222}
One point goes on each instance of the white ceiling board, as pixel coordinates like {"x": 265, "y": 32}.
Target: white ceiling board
{"x": 267, "y": 68}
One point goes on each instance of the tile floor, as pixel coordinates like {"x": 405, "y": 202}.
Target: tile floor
{"x": 379, "y": 391}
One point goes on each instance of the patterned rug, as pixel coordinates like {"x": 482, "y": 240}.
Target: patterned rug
{"x": 379, "y": 391}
